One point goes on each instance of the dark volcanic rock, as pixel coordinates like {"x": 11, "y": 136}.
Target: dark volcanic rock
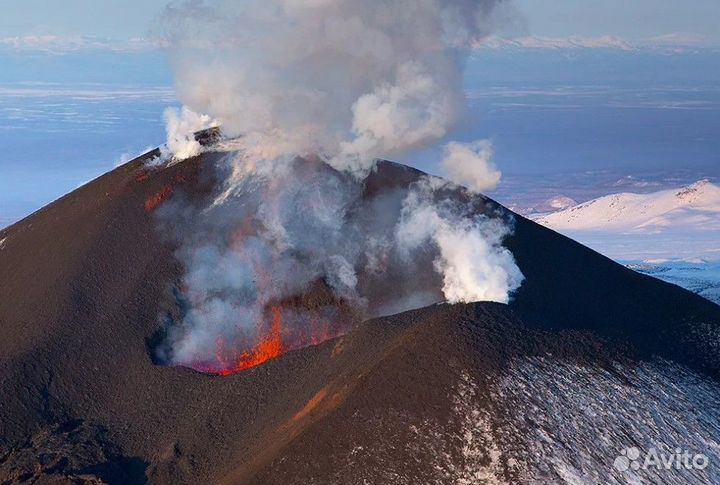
{"x": 547, "y": 389}
{"x": 70, "y": 453}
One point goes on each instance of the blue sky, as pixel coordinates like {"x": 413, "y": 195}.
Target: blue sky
{"x": 552, "y": 112}
{"x": 635, "y": 19}
{"x": 104, "y": 18}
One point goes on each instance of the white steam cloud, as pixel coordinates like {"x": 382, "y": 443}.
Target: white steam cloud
{"x": 349, "y": 80}
{"x": 474, "y": 264}
{"x": 277, "y": 231}
{"x": 181, "y": 126}
{"x": 471, "y": 165}
{"x": 284, "y": 228}
{"x": 311, "y": 92}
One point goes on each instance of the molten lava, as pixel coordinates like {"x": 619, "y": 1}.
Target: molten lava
{"x": 163, "y": 194}
{"x": 275, "y": 339}
{"x": 158, "y": 198}
{"x": 280, "y": 324}
{"x": 269, "y": 347}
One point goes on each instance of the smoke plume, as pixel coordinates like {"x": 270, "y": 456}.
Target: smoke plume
{"x": 281, "y": 230}
{"x": 474, "y": 264}
{"x": 471, "y": 165}
{"x": 181, "y": 126}
{"x": 294, "y": 246}
{"x": 348, "y": 80}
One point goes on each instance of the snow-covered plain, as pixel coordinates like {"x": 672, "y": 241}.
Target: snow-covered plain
{"x": 702, "y": 278}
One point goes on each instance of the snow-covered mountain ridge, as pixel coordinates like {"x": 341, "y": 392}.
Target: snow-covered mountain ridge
{"x": 695, "y": 207}
{"x": 673, "y": 235}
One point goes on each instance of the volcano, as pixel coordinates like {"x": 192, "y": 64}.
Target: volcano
{"x": 589, "y": 363}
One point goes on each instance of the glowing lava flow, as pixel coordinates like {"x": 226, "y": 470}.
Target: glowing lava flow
{"x": 283, "y": 325}
{"x": 165, "y": 192}
{"x": 274, "y": 341}
{"x": 270, "y": 346}
{"x": 161, "y": 196}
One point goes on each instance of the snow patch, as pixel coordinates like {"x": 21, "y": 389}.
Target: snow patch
{"x": 566, "y": 423}
{"x": 701, "y": 277}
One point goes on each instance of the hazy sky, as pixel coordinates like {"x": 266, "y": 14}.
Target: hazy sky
{"x": 631, "y": 19}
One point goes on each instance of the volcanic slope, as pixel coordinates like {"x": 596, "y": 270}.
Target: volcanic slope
{"x": 589, "y": 357}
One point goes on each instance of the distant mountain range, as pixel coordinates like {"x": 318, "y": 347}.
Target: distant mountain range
{"x": 696, "y": 206}
{"x": 667, "y": 41}
{"x": 675, "y": 40}
{"x": 673, "y": 235}
{"x": 676, "y": 224}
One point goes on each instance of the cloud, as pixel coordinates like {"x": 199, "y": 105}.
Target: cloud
{"x": 351, "y": 81}
{"x": 678, "y": 39}
{"x": 534, "y": 42}
{"x": 471, "y": 165}
{"x": 63, "y": 44}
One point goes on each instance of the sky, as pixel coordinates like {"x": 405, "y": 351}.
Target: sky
{"x": 630, "y": 19}
{"x": 119, "y": 19}
{"x": 554, "y": 111}
{"x": 636, "y": 19}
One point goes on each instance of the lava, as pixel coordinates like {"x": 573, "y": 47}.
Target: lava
{"x": 158, "y": 198}
{"x": 163, "y": 194}
{"x": 281, "y": 324}
{"x": 275, "y": 339}
{"x": 269, "y": 347}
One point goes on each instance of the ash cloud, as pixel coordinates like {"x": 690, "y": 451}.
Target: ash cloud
{"x": 349, "y": 80}
{"x": 471, "y": 165}
{"x": 309, "y": 94}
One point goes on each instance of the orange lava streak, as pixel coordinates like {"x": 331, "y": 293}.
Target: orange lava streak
{"x": 163, "y": 194}
{"x": 270, "y": 346}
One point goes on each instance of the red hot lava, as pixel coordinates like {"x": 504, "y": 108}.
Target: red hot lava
{"x": 275, "y": 339}
{"x": 154, "y": 201}
{"x": 269, "y": 347}
{"x": 158, "y": 198}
